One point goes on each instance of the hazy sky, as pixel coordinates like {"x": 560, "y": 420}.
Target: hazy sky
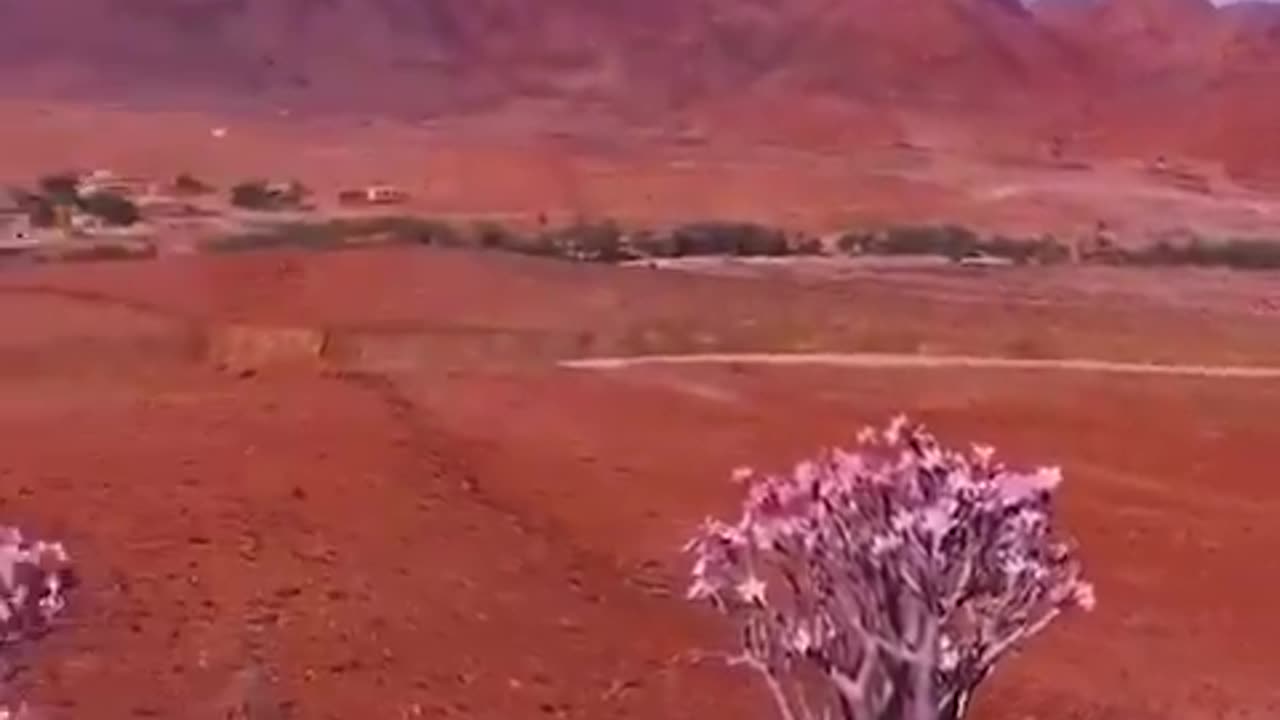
{"x": 1228, "y": 2}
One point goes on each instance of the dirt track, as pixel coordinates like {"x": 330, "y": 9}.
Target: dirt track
{"x": 427, "y": 518}
{"x": 926, "y": 362}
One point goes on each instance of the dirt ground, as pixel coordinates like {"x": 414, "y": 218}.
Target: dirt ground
{"x": 516, "y": 166}
{"x": 410, "y": 512}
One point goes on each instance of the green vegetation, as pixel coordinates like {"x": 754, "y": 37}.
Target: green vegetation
{"x": 336, "y": 234}
{"x": 650, "y": 244}
{"x": 855, "y": 243}
{"x": 588, "y": 241}
{"x": 494, "y": 236}
{"x": 399, "y": 229}
{"x": 63, "y": 192}
{"x": 947, "y": 240}
{"x": 584, "y": 240}
{"x": 1044, "y": 250}
{"x": 188, "y": 184}
{"x": 808, "y": 246}
{"x": 252, "y": 195}
{"x": 60, "y": 189}
{"x": 261, "y": 195}
{"x": 1237, "y": 253}
{"x": 729, "y": 238}
{"x": 353, "y": 197}
{"x": 606, "y": 241}
{"x": 58, "y": 196}
{"x": 112, "y": 209}
{"x": 951, "y": 241}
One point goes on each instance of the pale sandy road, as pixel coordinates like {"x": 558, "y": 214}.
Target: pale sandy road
{"x": 907, "y": 361}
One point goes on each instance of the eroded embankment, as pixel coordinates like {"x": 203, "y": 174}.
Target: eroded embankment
{"x": 48, "y": 331}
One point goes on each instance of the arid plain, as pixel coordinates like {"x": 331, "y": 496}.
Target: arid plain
{"x": 358, "y": 483}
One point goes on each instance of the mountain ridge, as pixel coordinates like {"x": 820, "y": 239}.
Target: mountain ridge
{"x": 1125, "y": 63}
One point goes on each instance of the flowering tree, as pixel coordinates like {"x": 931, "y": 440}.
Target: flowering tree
{"x": 34, "y": 576}
{"x": 885, "y": 584}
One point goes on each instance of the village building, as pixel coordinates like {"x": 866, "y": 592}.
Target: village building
{"x": 99, "y": 181}
{"x": 374, "y": 194}
{"x": 385, "y": 195}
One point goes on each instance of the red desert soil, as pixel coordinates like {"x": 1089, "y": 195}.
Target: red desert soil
{"x": 469, "y": 532}
{"x": 444, "y": 298}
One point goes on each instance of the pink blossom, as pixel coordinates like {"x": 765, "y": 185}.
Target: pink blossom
{"x": 893, "y": 433}
{"x": 962, "y": 545}
{"x": 984, "y": 454}
{"x": 1084, "y": 596}
{"x": 33, "y": 578}
{"x": 752, "y": 589}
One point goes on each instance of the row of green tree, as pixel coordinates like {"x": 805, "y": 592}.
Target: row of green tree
{"x": 55, "y": 193}
{"x": 607, "y": 241}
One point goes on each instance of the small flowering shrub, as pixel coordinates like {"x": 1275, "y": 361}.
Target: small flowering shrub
{"x": 34, "y": 576}
{"x": 886, "y": 583}
{"x": 22, "y": 713}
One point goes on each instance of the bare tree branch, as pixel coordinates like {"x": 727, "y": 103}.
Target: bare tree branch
{"x": 34, "y": 578}
{"x": 901, "y": 574}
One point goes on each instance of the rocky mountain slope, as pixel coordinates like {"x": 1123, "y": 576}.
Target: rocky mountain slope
{"x": 1164, "y": 71}
{"x": 448, "y": 51}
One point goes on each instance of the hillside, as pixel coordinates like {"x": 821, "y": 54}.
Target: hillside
{"x": 1135, "y": 76}
{"x": 1175, "y": 44}
{"x": 449, "y": 53}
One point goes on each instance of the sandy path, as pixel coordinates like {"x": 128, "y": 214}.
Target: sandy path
{"x": 902, "y": 360}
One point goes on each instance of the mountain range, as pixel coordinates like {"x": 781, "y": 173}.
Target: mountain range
{"x": 1183, "y": 68}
